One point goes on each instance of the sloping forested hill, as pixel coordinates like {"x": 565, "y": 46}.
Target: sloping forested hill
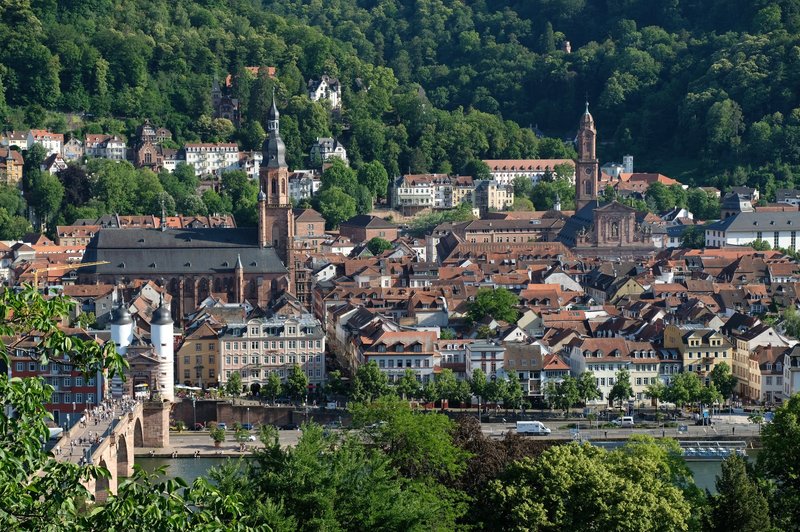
{"x": 705, "y": 90}
{"x": 709, "y": 86}
{"x": 119, "y": 61}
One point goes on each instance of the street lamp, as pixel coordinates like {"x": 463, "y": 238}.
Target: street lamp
{"x": 248, "y": 416}
{"x": 194, "y": 412}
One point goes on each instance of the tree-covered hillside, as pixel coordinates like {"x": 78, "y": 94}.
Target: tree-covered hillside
{"x": 706, "y": 90}
{"x": 115, "y": 62}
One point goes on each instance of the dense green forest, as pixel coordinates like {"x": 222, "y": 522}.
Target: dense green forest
{"x": 704, "y": 91}
{"x": 115, "y": 62}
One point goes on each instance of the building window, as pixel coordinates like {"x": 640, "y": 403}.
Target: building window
{"x": 78, "y": 381}
{"x": 775, "y": 240}
{"x": 20, "y": 366}
{"x": 79, "y": 398}
{"x": 90, "y": 398}
{"x": 186, "y": 374}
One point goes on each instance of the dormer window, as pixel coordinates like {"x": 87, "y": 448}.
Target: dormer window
{"x": 398, "y": 348}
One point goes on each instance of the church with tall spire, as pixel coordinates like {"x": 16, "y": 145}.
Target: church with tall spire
{"x": 601, "y": 228}
{"x": 253, "y": 264}
{"x": 275, "y": 214}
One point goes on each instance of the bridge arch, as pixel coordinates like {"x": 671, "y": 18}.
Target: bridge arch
{"x": 124, "y": 456}
{"x": 138, "y": 433}
{"x": 102, "y": 485}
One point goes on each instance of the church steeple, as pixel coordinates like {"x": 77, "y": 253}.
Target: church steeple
{"x": 275, "y": 215}
{"x": 274, "y": 151}
{"x": 587, "y": 168}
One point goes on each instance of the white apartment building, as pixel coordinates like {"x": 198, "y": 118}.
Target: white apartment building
{"x": 303, "y": 184}
{"x": 51, "y": 142}
{"x": 779, "y": 229}
{"x": 273, "y": 345}
{"x": 505, "y": 171}
{"x": 487, "y": 356}
{"x": 397, "y": 351}
{"x": 111, "y": 147}
{"x": 605, "y": 357}
{"x": 250, "y": 163}
{"x": 15, "y": 138}
{"x": 327, "y": 148}
{"x": 438, "y": 191}
{"x": 326, "y": 88}
{"x": 791, "y": 373}
{"x": 212, "y": 159}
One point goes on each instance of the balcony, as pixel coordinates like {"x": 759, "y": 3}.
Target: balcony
{"x": 455, "y": 366}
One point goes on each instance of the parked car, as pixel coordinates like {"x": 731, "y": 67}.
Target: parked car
{"x": 289, "y": 426}
{"x": 624, "y": 421}
{"x": 222, "y": 426}
{"x": 247, "y": 426}
{"x": 199, "y": 426}
{"x": 252, "y": 437}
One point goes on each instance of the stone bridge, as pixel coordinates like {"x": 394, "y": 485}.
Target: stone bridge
{"x": 146, "y": 424}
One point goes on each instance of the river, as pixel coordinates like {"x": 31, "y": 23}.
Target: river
{"x": 705, "y": 473}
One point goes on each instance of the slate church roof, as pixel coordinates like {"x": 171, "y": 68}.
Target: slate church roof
{"x": 180, "y": 251}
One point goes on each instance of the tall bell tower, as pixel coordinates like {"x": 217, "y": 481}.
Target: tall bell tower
{"x": 275, "y": 215}
{"x": 587, "y": 168}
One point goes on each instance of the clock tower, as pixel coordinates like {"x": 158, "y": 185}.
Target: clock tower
{"x": 275, "y": 214}
{"x": 587, "y": 168}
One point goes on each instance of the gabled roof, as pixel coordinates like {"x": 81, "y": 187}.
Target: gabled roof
{"x": 307, "y": 215}
{"x": 368, "y": 221}
{"x": 553, "y": 362}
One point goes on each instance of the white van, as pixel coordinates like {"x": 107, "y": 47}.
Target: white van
{"x": 624, "y": 421}
{"x": 535, "y": 428}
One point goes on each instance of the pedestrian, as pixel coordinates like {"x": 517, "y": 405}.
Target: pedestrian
{"x": 733, "y": 431}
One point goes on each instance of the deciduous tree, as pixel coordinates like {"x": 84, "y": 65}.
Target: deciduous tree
{"x": 622, "y": 389}
{"x": 499, "y": 303}
{"x": 370, "y": 383}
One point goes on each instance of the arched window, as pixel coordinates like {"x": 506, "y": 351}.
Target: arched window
{"x": 274, "y": 186}
{"x": 588, "y": 186}
{"x": 148, "y": 158}
{"x": 283, "y": 186}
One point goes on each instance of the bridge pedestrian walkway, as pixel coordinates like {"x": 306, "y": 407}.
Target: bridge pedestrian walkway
{"x": 80, "y": 443}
